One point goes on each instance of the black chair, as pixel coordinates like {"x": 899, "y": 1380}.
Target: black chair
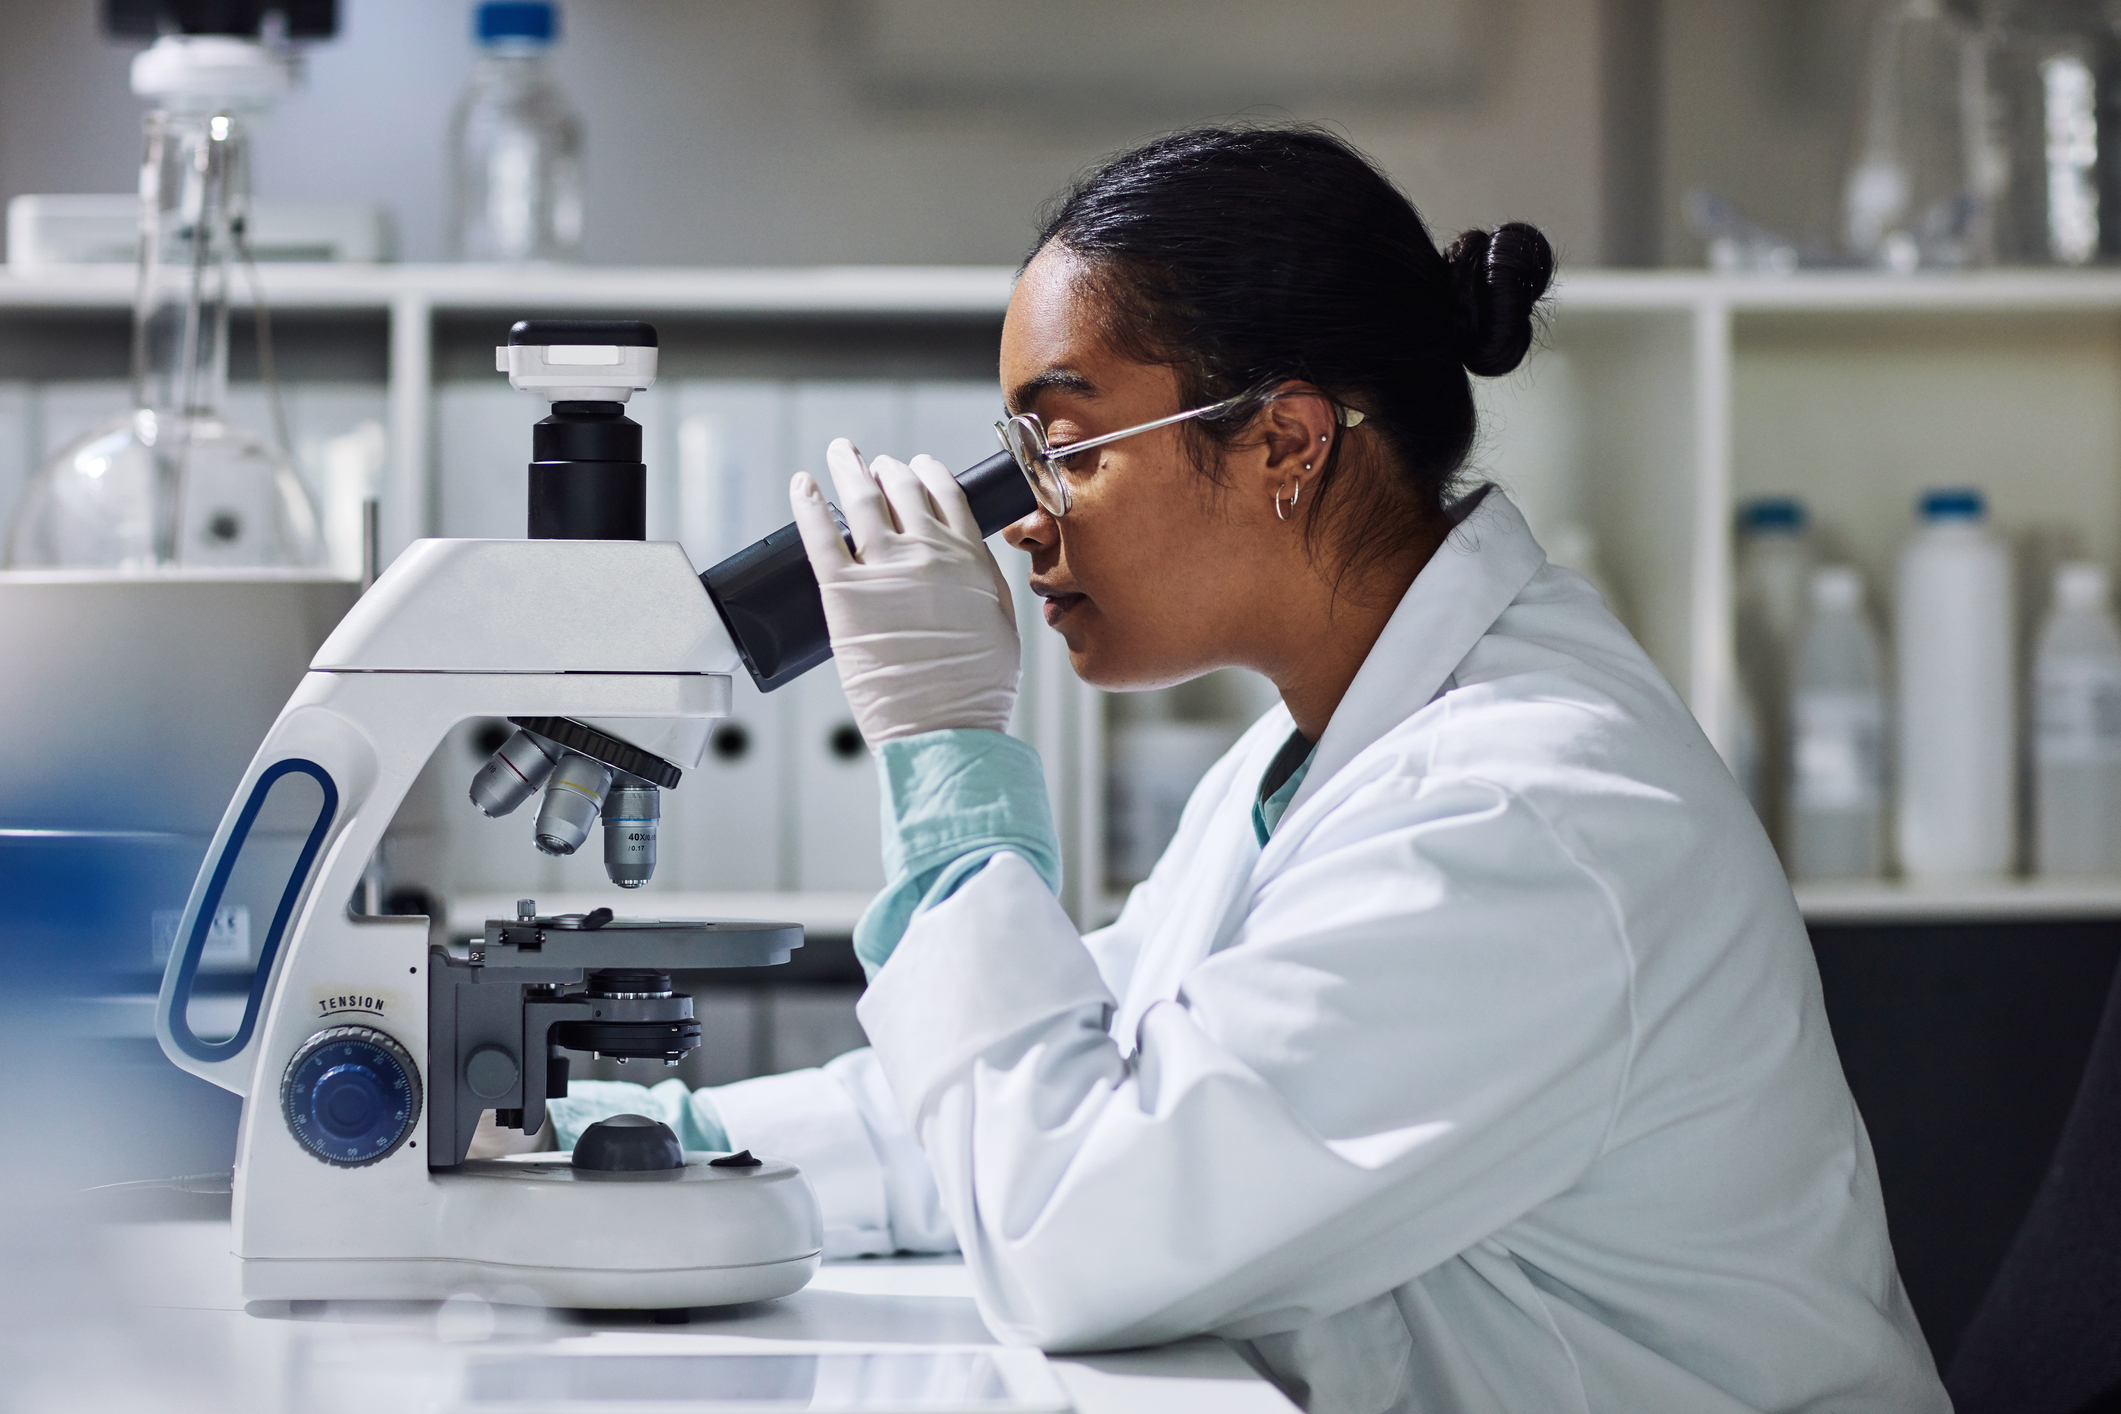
{"x": 2047, "y": 1336}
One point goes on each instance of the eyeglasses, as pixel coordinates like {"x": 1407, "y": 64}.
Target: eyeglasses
{"x": 1024, "y": 438}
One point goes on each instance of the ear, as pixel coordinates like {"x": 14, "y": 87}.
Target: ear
{"x": 1295, "y": 430}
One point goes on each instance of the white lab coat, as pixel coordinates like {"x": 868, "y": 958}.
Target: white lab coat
{"x": 1497, "y": 1080}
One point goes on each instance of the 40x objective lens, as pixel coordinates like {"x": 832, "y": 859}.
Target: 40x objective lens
{"x": 574, "y": 796}
{"x": 632, "y": 809}
{"x": 513, "y": 774}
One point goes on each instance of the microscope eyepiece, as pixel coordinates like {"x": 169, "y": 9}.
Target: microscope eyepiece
{"x": 574, "y": 797}
{"x": 632, "y": 810}
{"x": 513, "y": 774}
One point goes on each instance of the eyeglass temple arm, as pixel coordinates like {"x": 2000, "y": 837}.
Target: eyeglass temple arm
{"x": 1058, "y": 453}
{"x": 1345, "y": 416}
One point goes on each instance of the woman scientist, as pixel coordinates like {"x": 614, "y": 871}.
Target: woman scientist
{"x": 1464, "y": 1051}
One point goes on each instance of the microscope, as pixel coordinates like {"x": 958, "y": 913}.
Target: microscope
{"x": 366, "y": 1056}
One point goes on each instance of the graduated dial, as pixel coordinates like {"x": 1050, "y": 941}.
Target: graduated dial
{"x": 351, "y": 1095}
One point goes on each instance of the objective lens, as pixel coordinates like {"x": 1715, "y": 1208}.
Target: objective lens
{"x": 573, "y": 797}
{"x": 631, "y": 811}
{"x": 512, "y": 774}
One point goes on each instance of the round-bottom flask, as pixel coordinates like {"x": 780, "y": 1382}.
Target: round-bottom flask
{"x": 148, "y": 490}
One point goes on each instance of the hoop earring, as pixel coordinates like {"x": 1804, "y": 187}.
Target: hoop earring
{"x": 1279, "y": 514}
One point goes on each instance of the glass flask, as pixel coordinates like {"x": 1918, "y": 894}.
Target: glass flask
{"x": 173, "y": 484}
{"x": 515, "y": 145}
{"x": 1928, "y": 165}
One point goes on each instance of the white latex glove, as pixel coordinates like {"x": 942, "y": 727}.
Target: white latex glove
{"x": 922, "y": 627}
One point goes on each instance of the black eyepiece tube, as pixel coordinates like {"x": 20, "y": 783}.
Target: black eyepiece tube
{"x": 767, "y": 594}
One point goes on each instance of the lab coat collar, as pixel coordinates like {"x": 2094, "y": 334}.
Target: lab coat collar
{"x": 1481, "y": 567}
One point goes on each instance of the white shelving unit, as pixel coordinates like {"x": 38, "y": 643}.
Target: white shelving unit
{"x": 1657, "y": 402}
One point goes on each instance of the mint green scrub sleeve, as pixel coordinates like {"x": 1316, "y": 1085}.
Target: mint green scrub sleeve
{"x": 952, "y": 800}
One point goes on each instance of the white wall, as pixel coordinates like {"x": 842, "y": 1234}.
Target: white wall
{"x": 728, "y": 131}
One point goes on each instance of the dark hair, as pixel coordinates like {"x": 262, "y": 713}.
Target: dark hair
{"x": 1249, "y": 257}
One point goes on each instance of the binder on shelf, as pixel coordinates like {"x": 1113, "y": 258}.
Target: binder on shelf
{"x": 17, "y": 464}
{"x": 732, "y": 465}
{"x": 482, "y": 456}
{"x": 722, "y": 825}
{"x": 834, "y": 832}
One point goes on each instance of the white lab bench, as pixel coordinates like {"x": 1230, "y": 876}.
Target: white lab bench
{"x": 183, "y": 1281}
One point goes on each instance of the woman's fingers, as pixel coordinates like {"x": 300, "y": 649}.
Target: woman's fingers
{"x": 947, "y": 496}
{"x": 861, "y": 499}
{"x": 903, "y": 491}
{"x": 813, "y": 521}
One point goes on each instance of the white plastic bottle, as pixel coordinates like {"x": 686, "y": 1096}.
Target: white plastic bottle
{"x": 515, "y": 145}
{"x": 1956, "y": 728}
{"x": 1774, "y": 580}
{"x": 2077, "y": 729}
{"x": 1836, "y": 821}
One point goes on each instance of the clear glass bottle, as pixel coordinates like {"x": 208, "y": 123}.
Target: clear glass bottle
{"x": 1837, "y": 737}
{"x": 515, "y": 145}
{"x": 173, "y": 484}
{"x": 1774, "y": 580}
{"x": 2077, "y": 729}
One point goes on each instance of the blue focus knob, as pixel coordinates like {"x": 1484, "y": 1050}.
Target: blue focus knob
{"x": 351, "y": 1095}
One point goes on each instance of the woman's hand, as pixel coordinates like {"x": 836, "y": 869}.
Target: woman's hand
{"x": 922, "y": 626}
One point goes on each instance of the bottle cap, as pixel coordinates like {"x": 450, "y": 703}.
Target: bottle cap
{"x": 1953, "y": 503}
{"x": 2081, "y": 584}
{"x": 1836, "y": 589}
{"x": 523, "y": 21}
{"x": 1772, "y": 515}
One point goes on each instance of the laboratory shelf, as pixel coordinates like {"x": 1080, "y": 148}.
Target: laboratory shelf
{"x": 1656, "y": 401}
{"x": 826, "y": 290}
{"x": 984, "y": 290}
{"x": 1976, "y": 901}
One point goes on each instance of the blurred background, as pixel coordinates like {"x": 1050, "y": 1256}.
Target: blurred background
{"x": 1827, "y": 405}
{"x": 927, "y": 132}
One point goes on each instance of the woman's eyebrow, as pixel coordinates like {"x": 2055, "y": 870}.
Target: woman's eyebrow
{"x": 1063, "y": 379}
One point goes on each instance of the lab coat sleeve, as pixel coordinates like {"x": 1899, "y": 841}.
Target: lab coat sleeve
{"x": 841, "y": 1127}
{"x": 1418, "y": 1031}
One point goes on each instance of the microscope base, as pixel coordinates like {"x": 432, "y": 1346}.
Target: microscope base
{"x": 532, "y": 1230}
{"x": 397, "y": 1279}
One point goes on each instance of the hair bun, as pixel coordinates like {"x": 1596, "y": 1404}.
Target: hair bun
{"x": 1499, "y": 278}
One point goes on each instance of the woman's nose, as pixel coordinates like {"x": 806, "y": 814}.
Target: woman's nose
{"x": 1037, "y": 531}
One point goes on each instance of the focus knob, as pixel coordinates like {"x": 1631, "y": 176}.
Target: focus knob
{"x": 351, "y": 1095}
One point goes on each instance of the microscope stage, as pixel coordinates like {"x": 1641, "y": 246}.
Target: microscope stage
{"x": 667, "y": 944}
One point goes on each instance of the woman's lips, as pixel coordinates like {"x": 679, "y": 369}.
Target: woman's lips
{"x": 1058, "y": 605}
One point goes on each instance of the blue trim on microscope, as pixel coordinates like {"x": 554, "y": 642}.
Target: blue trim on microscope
{"x": 195, "y": 944}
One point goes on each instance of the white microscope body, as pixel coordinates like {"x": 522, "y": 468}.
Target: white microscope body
{"x": 620, "y": 638}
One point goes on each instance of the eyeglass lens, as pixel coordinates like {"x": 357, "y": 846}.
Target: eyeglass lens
{"x": 1025, "y": 440}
